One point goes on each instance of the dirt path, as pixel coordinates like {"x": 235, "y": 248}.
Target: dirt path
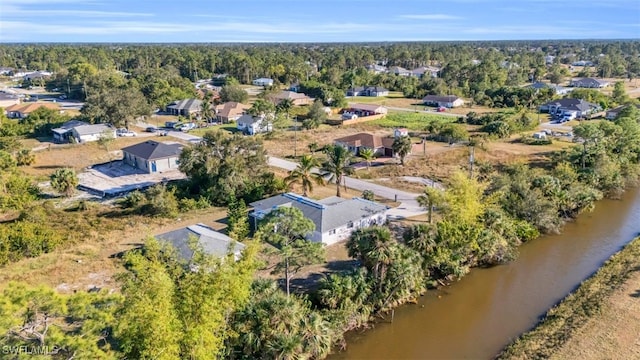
{"x": 613, "y": 334}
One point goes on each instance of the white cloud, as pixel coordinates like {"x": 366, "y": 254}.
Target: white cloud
{"x": 15, "y": 11}
{"x": 430, "y": 17}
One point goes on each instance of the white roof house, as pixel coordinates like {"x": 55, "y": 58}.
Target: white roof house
{"x": 263, "y": 82}
{"x": 335, "y": 218}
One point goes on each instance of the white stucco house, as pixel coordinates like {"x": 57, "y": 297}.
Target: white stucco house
{"x": 448, "y": 101}
{"x": 335, "y": 218}
{"x": 252, "y": 125}
{"x": 263, "y": 82}
{"x": 88, "y": 133}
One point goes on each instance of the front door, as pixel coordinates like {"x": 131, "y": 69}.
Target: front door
{"x": 153, "y": 166}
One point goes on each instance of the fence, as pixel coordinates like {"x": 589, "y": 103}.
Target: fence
{"x": 355, "y": 121}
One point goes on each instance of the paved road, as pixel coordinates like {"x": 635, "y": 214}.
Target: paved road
{"x": 408, "y": 204}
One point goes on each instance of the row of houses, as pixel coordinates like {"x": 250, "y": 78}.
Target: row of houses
{"x": 231, "y": 110}
{"x": 419, "y": 72}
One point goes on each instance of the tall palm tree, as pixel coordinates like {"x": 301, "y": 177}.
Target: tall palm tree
{"x": 285, "y": 106}
{"x": 304, "y": 175}
{"x": 402, "y": 147}
{"x": 368, "y": 155}
{"x": 431, "y": 198}
{"x": 206, "y": 109}
{"x": 338, "y": 164}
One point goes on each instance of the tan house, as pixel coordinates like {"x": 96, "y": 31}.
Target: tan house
{"x": 382, "y": 146}
{"x": 230, "y": 111}
{"x": 20, "y": 111}
{"x": 297, "y": 98}
{"x": 362, "y": 110}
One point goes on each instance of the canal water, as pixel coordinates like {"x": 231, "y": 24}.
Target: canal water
{"x": 477, "y": 316}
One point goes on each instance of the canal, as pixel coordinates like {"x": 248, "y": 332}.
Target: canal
{"x": 477, "y": 316}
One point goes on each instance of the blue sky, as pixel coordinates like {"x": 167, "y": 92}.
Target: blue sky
{"x": 315, "y": 21}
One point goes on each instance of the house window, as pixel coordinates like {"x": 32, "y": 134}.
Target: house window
{"x": 332, "y": 232}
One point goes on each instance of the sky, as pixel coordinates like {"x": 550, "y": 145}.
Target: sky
{"x": 163, "y": 21}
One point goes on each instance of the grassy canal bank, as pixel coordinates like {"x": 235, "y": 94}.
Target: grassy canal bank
{"x": 586, "y": 324}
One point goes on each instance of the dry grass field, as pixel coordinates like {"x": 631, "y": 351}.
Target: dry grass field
{"x": 93, "y": 263}
{"x": 76, "y": 156}
{"x": 612, "y": 334}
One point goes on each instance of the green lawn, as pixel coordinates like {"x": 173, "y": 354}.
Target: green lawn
{"x": 411, "y": 121}
{"x": 231, "y": 127}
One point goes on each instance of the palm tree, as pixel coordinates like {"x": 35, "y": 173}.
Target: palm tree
{"x": 25, "y": 157}
{"x": 368, "y": 155}
{"x": 431, "y": 198}
{"x": 402, "y": 147}
{"x": 337, "y": 165}
{"x": 64, "y": 181}
{"x": 285, "y": 106}
{"x": 304, "y": 174}
{"x": 206, "y": 110}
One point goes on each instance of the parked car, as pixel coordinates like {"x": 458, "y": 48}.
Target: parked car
{"x": 125, "y": 133}
{"x": 188, "y": 126}
{"x": 151, "y": 129}
{"x": 442, "y": 109}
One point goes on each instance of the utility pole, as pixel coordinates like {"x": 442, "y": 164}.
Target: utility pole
{"x": 68, "y": 89}
{"x": 471, "y": 161}
{"x": 295, "y": 137}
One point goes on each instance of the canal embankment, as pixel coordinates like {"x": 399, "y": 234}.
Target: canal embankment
{"x": 596, "y": 321}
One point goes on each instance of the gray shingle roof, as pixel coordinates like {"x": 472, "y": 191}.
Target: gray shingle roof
{"x": 572, "y": 104}
{"x": 326, "y": 214}
{"x": 187, "y": 104}
{"x": 151, "y": 150}
{"x": 248, "y": 119}
{"x": 212, "y": 242}
{"x": 66, "y": 127}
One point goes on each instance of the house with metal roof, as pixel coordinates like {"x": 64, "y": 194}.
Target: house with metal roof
{"x": 335, "y": 218}
{"x": 186, "y": 107}
{"x": 211, "y": 242}
{"x": 152, "y": 156}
